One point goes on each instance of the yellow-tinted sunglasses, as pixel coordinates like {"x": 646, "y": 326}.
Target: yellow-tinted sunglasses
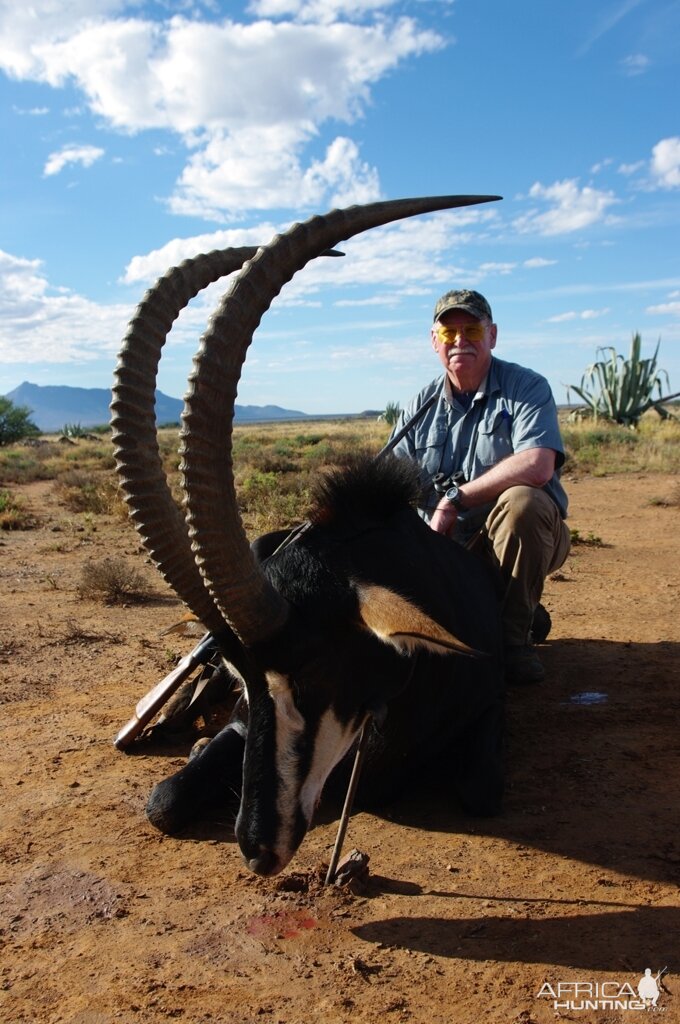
{"x": 471, "y": 332}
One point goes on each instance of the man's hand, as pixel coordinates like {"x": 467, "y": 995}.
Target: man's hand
{"x": 531, "y": 468}
{"x": 444, "y": 517}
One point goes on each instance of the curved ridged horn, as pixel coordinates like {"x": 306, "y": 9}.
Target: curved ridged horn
{"x": 157, "y": 518}
{"x": 244, "y": 596}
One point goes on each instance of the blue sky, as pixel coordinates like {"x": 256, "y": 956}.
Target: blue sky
{"x": 137, "y": 134}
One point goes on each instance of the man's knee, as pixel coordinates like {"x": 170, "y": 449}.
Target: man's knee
{"x": 525, "y": 526}
{"x": 522, "y": 508}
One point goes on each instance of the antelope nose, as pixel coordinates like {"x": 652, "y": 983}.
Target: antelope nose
{"x": 266, "y": 862}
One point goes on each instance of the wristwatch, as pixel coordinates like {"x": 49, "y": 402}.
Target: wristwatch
{"x": 455, "y": 496}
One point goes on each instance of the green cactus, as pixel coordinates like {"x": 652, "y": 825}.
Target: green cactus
{"x": 621, "y": 390}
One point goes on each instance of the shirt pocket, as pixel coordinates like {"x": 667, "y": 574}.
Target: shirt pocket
{"x": 429, "y": 445}
{"x": 494, "y": 438}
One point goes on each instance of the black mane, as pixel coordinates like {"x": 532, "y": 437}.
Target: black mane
{"x": 365, "y": 489}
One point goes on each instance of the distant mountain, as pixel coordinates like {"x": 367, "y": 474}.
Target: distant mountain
{"x": 52, "y": 406}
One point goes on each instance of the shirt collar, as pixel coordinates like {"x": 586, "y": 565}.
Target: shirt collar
{"x": 488, "y": 385}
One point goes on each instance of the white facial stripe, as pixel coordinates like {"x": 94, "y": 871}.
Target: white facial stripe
{"x": 279, "y": 689}
{"x": 333, "y": 740}
{"x": 289, "y": 726}
{"x": 237, "y": 675}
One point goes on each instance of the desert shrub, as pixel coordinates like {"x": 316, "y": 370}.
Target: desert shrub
{"x": 670, "y": 500}
{"x": 257, "y": 488}
{"x": 83, "y": 491}
{"x": 266, "y": 461}
{"x": 320, "y": 455}
{"x": 23, "y": 466}
{"x": 279, "y": 511}
{"x": 304, "y": 440}
{"x": 13, "y": 515}
{"x": 112, "y": 581}
{"x": 609, "y": 448}
{"x": 47, "y": 460}
{"x": 102, "y": 457}
{"x": 589, "y": 539}
{"x": 15, "y": 422}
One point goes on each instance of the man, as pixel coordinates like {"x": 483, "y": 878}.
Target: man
{"x": 492, "y": 435}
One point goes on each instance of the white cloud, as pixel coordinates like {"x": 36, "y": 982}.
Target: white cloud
{"x": 260, "y": 168}
{"x": 634, "y": 168}
{"x": 665, "y": 163}
{"x": 384, "y": 298}
{"x": 31, "y": 111}
{"x": 572, "y": 208}
{"x": 322, "y": 11}
{"x": 584, "y": 314}
{"x": 672, "y": 308}
{"x": 594, "y": 314}
{"x": 193, "y": 76}
{"x": 40, "y": 324}
{"x": 536, "y": 262}
{"x": 84, "y": 155}
{"x": 635, "y": 64}
{"x": 497, "y": 268}
{"x": 247, "y": 98}
{"x": 25, "y": 28}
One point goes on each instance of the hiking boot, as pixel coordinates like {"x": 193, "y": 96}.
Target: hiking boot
{"x": 522, "y": 666}
{"x": 541, "y": 624}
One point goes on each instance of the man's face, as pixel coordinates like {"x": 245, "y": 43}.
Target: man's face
{"x": 465, "y": 361}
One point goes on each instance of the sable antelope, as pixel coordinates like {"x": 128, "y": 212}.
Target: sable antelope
{"x": 366, "y": 608}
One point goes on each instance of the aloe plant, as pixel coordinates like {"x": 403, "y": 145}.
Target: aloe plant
{"x": 391, "y": 414}
{"x": 621, "y": 390}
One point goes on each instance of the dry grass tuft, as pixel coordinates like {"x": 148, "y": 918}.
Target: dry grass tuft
{"x": 94, "y": 492}
{"x": 75, "y": 635}
{"x": 671, "y": 500}
{"x": 112, "y": 581}
{"x": 13, "y": 515}
{"x": 602, "y": 448}
{"x": 590, "y": 539}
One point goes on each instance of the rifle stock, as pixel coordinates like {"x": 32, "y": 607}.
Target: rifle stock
{"x": 154, "y": 700}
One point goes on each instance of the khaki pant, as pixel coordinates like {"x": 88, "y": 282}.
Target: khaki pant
{"x": 527, "y": 540}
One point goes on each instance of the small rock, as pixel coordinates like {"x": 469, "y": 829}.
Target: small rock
{"x": 352, "y": 867}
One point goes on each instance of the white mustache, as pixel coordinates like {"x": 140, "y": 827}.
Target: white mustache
{"x": 451, "y": 351}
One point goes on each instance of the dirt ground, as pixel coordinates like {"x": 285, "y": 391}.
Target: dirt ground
{"x": 104, "y": 920}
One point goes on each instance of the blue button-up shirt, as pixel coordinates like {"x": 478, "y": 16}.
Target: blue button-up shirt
{"x": 513, "y": 410}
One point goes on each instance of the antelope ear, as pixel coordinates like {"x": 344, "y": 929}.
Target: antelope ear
{"x": 188, "y": 625}
{"x": 397, "y": 621}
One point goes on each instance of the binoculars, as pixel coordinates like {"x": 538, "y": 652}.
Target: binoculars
{"x": 441, "y": 483}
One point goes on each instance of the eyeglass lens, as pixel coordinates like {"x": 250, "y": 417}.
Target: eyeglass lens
{"x": 471, "y": 332}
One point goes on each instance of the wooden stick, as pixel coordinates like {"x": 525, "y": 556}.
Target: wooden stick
{"x": 349, "y": 800}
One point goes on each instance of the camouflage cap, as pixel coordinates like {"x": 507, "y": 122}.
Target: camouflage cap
{"x": 467, "y": 300}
